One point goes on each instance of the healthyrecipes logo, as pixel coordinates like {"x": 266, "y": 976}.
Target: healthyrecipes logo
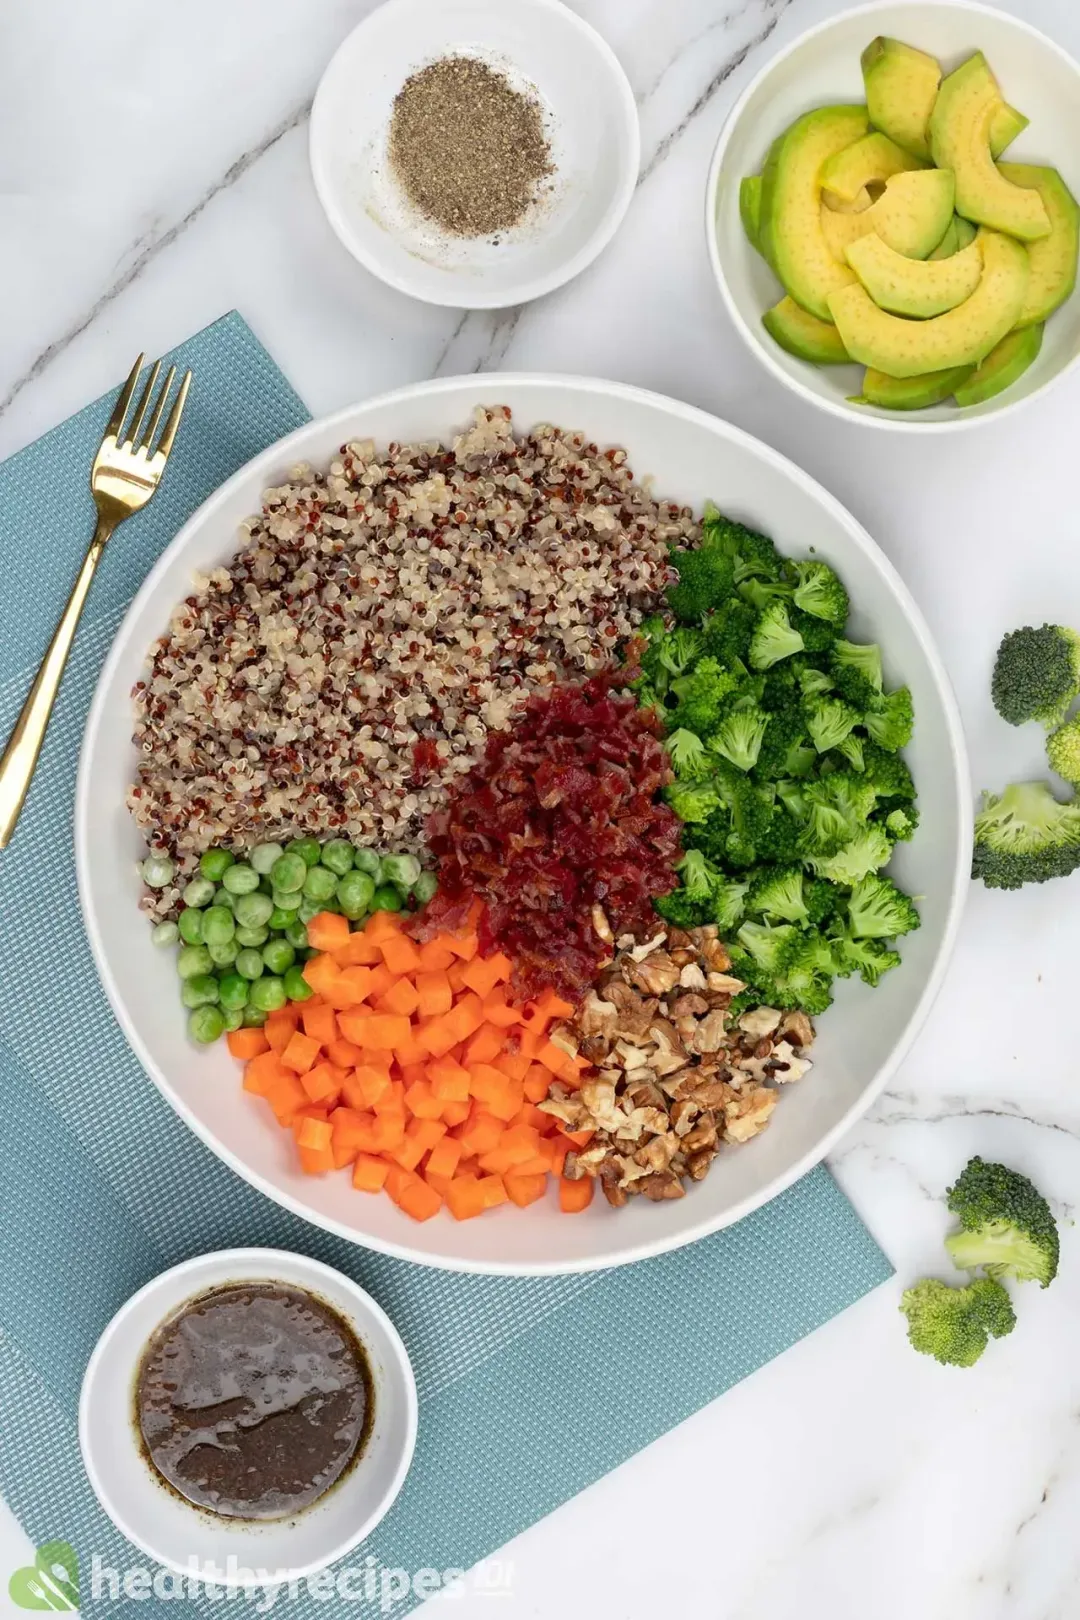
{"x": 50, "y": 1582}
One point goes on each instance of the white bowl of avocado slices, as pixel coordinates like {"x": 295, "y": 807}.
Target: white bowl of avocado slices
{"x": 891, "y": 214}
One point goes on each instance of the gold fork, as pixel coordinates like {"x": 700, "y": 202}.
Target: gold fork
{"x": 125, "y": 474}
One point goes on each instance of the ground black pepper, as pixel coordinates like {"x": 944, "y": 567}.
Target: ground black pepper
{"x": 469, "y": 150}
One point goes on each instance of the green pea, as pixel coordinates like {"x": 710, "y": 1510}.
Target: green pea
{"x": 199, "y": 892}
{"x": 206, "y": 1024}
{"x": 309, "y": 909}
{"x": 268, "y": 993}
{"x": 158, "y": 871}
{"x": 201, "y": 991}
{"x": 366, "y": 860}
{"x": 263, "y": 857}
{"x": 226, "y": 900}
{"x": 218, "y": 925}
{"x": 254, "y": 910}
{"x": 233, "y": 990}
{"x": 296, "y": 934}
{"x": 296, "y": 986}
{"x": 400, "y": 869}
{"x": 424, "y": 887}
{"x": 288, "y": 900}
{"x": 232, "y": 1018}
{"x": 166, "y": 933}
{"x": 249, "y": 963}
{"x": 240, "y": 878}
{"x": 288, "y": 873}
{"x": 252, "y": 938}
{"x": 354, "y": 892}
{"x": 278, "y": 955}
{"x": 308, "y": 850}
{"x": 254, "y": 1017}
{"x": 319, "y": 885}
{"x": 387, "y": 898}
{"x": 213, "y": 864}
{"x": 337, "y": 855}
{"x": 281, "y": 921}
{"x": 190, "y": 926}
{"x": 193, "y": 959}
{"x": 223, "y": 955}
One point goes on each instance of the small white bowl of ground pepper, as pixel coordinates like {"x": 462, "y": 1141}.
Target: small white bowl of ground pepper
{"x": 475, "y": 153}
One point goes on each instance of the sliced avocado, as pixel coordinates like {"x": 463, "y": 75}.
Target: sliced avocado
{"x": 912, "y": 393}
{"x": 790, "y": 230}
{"x": 861, "y": 200}
{"x": 962, "y": 336}
{"x": 911, "y": 215}
{"x": 803, "y": 335}
{"x": 871, "y": 161}
{"x": 1053, "y": 260}
{"x": 901, "y": 84}
{"x": 914, "y": 286}
{"x": 1007, "y": 361}
{"x": 750, "y": 208}
{"x": 960, "y": 232}
{"x": 1005, "y": 126}
{"x": 960, "y": 140}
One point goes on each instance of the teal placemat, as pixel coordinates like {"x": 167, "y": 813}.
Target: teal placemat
{"x": 522, "y": 1384}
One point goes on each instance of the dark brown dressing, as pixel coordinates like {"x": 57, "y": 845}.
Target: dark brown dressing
{"x": 253, "y": 1400}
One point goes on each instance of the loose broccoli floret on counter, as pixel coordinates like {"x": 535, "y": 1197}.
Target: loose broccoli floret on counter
{"x": 954, "y": 1325}
{"x": 879, "y": 910}
{"x": 774, "y": 638}
{"x": 1006, "y": 1227}
{"x": 891, "y": 719}
{"x": 1036, "y": 675}
{"x": 1063, "y": 751}
{"x": 819, "y": 592}
{"x": 1025, "y": 836}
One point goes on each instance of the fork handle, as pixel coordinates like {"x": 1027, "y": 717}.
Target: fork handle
{"x": 20, "y": 757}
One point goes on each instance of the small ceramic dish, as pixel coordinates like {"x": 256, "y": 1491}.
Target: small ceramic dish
{"x": 590, "y": 120}
{"x": 821, "y": 67}
{"x": 189, "y": 1539}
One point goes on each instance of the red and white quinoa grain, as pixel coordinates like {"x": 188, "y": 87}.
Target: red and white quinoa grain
{"x": 377, "y": 621}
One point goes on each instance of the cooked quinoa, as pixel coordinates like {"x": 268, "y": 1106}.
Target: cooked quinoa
{"x": 377, "y": 622}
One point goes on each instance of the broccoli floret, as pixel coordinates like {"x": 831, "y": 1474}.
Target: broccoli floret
{"x": 706, "y": 576}
{"x": 853, "y": 751}
{"x": 692, "y": 801}
{"x": 699, "y": 875}
{"x": 727, "y": 633}
{"x": 813, "y": 682}
{"x": 774, "y": 638}
{"x": 804, "y": 973}
{"x": 1025, "y": 836}
{"x": 760, "y": 592}
{"x": 1036, "y": 675}
{"x": 696, "y": 900}
{"x": 764, "y": 943}
{"x": 753, "y": 554}
{"x": 783, "y": 746}
{"x": 829, "y": 721}
{"x": 817, "y": 634}
{"x": 901, "y": 824}
{"x": 689, "y": 757}
{"x": 701, "y": 697}
{"x": 677, "y": 650}
{"x": 1063, "y": 751}
{"x": 889, "y": 774}
{"x": 1006, "y": 1227}
{"x": 678, "y": 909}
{"x": 823, "y": 900}
{"x": 739, "y": 735}
{"x": 856, "y": 669}
{"x": 862, "y": 855}
{"x": 879, "y": 910}
{"x": 890, "y": 720}
{"x": 778, "y": 892}
{"x": 778, "y": 839}
{"x": 837, "y": 807}
{"x": 751, "y": 815}
{"x": 869, "y": 958}
{"x": 820, "y": 593}
{"x": 954, "y": 1324}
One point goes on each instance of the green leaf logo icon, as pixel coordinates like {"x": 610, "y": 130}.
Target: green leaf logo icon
{"x": 50, "y": 1582}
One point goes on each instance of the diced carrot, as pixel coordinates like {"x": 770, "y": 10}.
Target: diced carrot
{"x": 410, "y": 1051}
{"x": 559, "y": 1149}
{"x": 408, "y": 1152}
{"x": 280, "y": 1027}
{"x": 314, "y": 1133}
{"x": 481, "y": 1133}
{"x": 482, "y": 974}
{"x": 492, "y": 1191}
{"x": 413, "y": 1195}
{"x": 436, "y": 955}
{"x": 247, "y": 1043}
{"x": 542, "y": 1123}
{"x": 513, "y": 1065}
{"x": 524, "y": 1189}
{"x": 400, "y": 953}
{"x": 537, "y": 1082}
{"x": 365, "y": 1085}
{"x": 578, "y": 1139}
{"x": 545, "y": 1010}
{"x": 319, "y": 1020}
{"x": 574, "y": 1196}
{"x": 358, "y": 951}
{"x": 370, "y": 1173}
{"x": 350, "y": 1132}
{"x": 402, "y": 997}
{"x": 420, "y": 1101}
{"x": 455, "y": 975}
{"x": 444, "y": 1158}
{"x": 392, "y": 1100}
{"x": 527, "y": 1042}
{"x": 437, "y": 1036}
{"x": 316, "y": 1161}
{"x": 385, "y": 1030}
{"x": 353, "y": 1024}
{"x": 485, "y": 1045}
{"x": 486, "y": 1081}
{"x": 554, "y": 1058}
{"x": 463, "y": 945}
{"x": 507, "y": 1103}
{"x": 440, "y": 1183}
{"x": 320, "y": 1083}
{"x": 380, "y": 925}
{"x": 286, "y": 1097}
{"x": 466, "y": 1017}
{"x": 328, "y": 931}
{"x": 320, "y": 972}
{"x": 344, "y": 1053}
{"x": 263, "y": 1073}
{"x": 428, "y": 1131}
{"x": 455, "y": 1113}
{"x": 497, "y": 1012}
{"x": 388, "y": 1132}
{"x": 360, "y": 979}
{"x": 464, "y": 1198}
{"x": 536, "y": 1166}
{"x": 449, "y": 1081}
{"x": 301, "y": 1053}
{"x": 434, "y": 994}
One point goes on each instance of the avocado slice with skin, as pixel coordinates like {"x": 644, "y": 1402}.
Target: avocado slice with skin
{"x": 960, "y": 232}
{"x": 750, "y": 208}
{"x": 870, "y": 161}
{"x": 790, "y": 231}
{"x": 1002, "y": 366}
{"x": 911, "y": 215}
{"x": 917, "y": 287}
{"x": 803, "y": 335}
{"x": 1053, "y": 260}
{"x": 912, "y": 393}
{"x": 901, "y": 88}
{"x": 962, "y": 336}
{"x": 960, "y": 140}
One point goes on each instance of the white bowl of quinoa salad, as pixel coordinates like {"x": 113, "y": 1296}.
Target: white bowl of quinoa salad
{"x": 481, "y": 550}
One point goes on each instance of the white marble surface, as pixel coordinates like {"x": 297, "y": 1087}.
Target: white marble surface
{"x": 850, "y": 1478}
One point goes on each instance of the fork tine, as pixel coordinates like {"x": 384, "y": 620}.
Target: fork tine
{"x": 132, "y": 433}
{"x": 174, "y": 416}
{"x": 159, "y": 410}
{"x": 116, "y": 420}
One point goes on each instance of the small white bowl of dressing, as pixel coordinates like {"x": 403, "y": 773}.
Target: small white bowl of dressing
{"x": 185, "y": 1535}
{"x": 588, "y": 117}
